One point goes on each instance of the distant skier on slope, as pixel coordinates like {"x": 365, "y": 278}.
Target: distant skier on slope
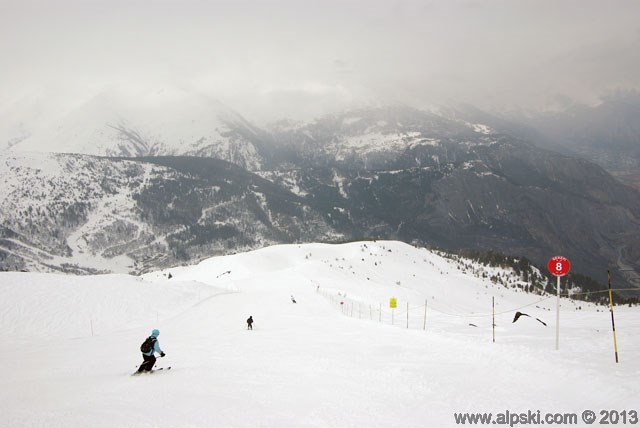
{"x": 148, "y": 348}
{"x": 250, "y": 322}
{"x": 293, "y": 299}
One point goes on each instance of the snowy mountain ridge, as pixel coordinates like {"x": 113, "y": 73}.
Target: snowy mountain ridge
{"x": 174, "y": 121}
{"x": 142, "y": 122}
{"x": 393, "y": 172}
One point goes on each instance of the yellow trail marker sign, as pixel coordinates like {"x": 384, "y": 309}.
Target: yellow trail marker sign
{"x": 393, "y": 303}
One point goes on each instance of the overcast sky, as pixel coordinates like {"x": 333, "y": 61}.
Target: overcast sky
{"x": 301, "y": 58}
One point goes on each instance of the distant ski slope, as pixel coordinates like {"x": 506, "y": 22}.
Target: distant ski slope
{"x": 307, "y": 364}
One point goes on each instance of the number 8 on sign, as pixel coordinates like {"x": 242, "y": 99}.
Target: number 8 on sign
{"x": 559, "y": 266}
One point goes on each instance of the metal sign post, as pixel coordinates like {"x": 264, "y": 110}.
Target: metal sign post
{"x": 613, "y": 322}
{"x": 393, "y": 304}
{"x": 558, "y": 266}
{"x": 557, "y": 313}
{"x": 493, "y": 325}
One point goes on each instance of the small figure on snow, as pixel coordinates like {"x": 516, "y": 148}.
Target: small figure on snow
{"x": 293, "y": 299}
{"x": 250, "y": 322}
{"x": 148, "y": 348}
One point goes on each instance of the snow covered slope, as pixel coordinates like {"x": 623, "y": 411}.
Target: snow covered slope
{"x": 80, "y": 213}
{"x": 315, "y": 363}
{"x": 73, "y": 210}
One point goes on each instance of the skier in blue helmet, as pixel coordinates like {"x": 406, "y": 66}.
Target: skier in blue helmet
{"x": 149, "y": 348}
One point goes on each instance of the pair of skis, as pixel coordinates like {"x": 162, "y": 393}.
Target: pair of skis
{"x": 136, "y": 373}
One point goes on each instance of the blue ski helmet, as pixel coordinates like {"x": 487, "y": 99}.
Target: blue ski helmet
{"x": 155, "y": 332}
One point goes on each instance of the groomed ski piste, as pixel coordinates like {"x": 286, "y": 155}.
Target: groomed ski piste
{"x": 69, "y": 344}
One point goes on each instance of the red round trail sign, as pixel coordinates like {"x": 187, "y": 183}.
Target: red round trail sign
{"x": 559, "y": 266}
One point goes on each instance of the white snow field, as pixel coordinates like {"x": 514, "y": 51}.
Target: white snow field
{"x": 68, "y": 345}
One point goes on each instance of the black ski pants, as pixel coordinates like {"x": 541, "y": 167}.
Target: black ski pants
{"x": 147, "y": 365}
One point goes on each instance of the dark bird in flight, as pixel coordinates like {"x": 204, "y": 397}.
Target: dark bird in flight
{"x": 519, "y": 314}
